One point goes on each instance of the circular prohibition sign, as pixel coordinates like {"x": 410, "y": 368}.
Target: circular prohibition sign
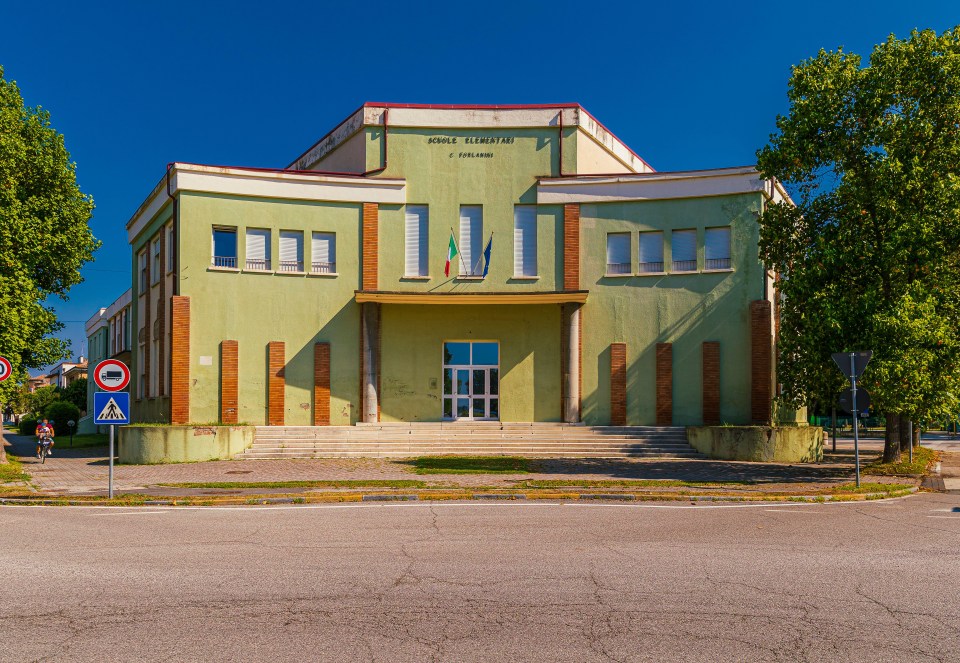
{"x": 6, "y": 370}
{"x": 111, "y": 375}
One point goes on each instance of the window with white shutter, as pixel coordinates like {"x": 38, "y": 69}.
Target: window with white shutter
{"x": 415, "y": 241}
{"x": 258, "y": 249}
{"x": 471, "y": 237}
{"x": 525, "y": 240}
{"x": 717, "y": 248}
{"x": 683, "y": 246}
{"x": 651, "y": 251}
{"x": 291, "y": 251}
{"x": 618, "y": 253}
{"x": 155, "y": 274}
{"x": 142, "y": 263}
{"x": 323, "y": 253}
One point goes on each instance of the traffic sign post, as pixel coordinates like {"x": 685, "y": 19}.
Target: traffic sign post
{"x": 6, "y": 370}
{"x": 111, "y": 408}
{"x": 852, "y": 364}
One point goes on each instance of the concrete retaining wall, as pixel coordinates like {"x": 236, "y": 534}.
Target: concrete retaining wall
{"x": 786, "y": 444}
{"x": 142, "y": 445}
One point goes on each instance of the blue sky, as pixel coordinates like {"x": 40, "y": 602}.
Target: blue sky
{"x": 133, "y": 86}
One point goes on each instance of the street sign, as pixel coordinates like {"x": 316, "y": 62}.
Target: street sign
{"x": 846, "y": 401}
{"x": 111, "y": 375}
{"x": 111, "y": 408}
{"x": 860, "y": 361}
{"x": 6, "y": 370}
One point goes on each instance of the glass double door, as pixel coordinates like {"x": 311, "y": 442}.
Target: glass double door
{"x": 471, "y": 380}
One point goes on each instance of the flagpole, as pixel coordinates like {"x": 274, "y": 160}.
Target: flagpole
{"x": 453, "y": 236}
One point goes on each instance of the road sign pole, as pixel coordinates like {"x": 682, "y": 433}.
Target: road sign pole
{"x": 856, "y": 426}
{"x": 910, "y": 445}
{"x": 833, "y": 416}
{"x": 110, "y": 472}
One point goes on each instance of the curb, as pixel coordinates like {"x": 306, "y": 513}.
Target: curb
{"x": 454, "y": 496}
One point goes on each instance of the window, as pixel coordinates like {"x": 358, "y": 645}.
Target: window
{"x": 323, "y": 253}
{"x": 471, "y": 236}
{"x": 126, "y": 330}
{"x": 225, "y": 247}
{"x": 258, "y": 249}
{"x": 142, "y": 262}
{"x": 525, "y": 240}
{"x": 113, "y": 349}
{"x": 416, "y": 237}
{"x": 683, "y": 245}
{"x": 618, "y": 253}
{"x": 291, "y": 251}
{"x": 717, "y": 248}
{"x": 651, "y": 251}
{"x": 170, "y": 248}
{"x": 155, "y": 270}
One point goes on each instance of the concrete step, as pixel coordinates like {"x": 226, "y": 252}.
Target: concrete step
{"x": 556, "y": 454}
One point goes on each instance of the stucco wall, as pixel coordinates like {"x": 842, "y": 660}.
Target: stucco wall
{"x": 682, "y": 309}
{"x": 141, "y": 445}
{"x": 786, "y": 444}
{"x": 412, "y": 346}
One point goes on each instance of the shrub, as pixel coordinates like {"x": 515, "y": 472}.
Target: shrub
{"x": 61, "y": 412}
{"x": 28, "y": 425}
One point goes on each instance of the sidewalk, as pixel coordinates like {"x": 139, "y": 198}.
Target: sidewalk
{"x": 84, "y": 472}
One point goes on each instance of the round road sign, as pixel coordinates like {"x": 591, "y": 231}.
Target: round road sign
{"x": 111, "y": 375}
{"x": 5, "y": 369}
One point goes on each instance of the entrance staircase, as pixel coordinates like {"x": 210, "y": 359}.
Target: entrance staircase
{"x": 536, "y": 440}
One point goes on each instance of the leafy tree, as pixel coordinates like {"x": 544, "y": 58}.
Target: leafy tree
{"x": 76, "y": 393}
{"x": 61, "y": 413}
{"x": 44, "y": 234}
{"x": 40, "y": 399}
{"x": 868, "y": 257}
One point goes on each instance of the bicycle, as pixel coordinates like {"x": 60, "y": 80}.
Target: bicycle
{"x": 45, "y": 444}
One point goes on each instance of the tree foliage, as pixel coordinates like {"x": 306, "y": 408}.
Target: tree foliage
{"x": 76, "y": 393}
{"x": 44, "y": 234}
{"x": 869, "y": 257}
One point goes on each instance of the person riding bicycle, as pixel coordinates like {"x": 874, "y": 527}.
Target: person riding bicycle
{"x": 44, "y": 430}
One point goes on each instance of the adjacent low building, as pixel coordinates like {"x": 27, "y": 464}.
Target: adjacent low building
{"x": 582, "y": 284}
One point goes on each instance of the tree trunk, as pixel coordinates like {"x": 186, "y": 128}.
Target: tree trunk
{"x": 916, "y": 436}
{"x": 905, "y": 433}
{"x": 891, "y": 447}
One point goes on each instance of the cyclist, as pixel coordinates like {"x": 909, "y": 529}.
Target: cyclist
{"x": 44, "y": 429}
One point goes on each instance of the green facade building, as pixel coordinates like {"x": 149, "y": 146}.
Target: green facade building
{"x": 583, "y": 285}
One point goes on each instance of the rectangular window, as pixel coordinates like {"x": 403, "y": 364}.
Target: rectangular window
{"x": 717, "y": 248}
{"x": 258, "y": 249}
{"x": 683, "y": 246}
{"x": 126, "y": 331}
{"x": 525, "y": 240}
{"x": 415, "y": 239}
{"x": 291, "y": 251}
{"x": 155, "y": 274}
{"x": 618, "y": 253}
{"x": 323, "y": 253}
{"x": 224, "y": 247}
{"x": 651, "y": 251}
{"x": 471, "y": 238}
{"x": 171, "y": 248}
{"x": 142, "y": 262}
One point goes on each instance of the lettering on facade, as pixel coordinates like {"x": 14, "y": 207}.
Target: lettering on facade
{"x": 471, "y": 140}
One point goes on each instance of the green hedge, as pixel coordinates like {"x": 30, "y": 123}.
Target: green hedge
{"x": 61, "y": 412}
{"x": 28, "y": 426}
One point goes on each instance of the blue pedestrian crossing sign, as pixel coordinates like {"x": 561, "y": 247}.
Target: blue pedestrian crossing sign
{"x": 111, "y": 407}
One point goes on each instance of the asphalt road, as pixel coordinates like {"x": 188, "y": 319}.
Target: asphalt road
{"x": 484, "y": 582}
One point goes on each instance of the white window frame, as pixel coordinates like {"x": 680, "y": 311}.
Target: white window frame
{"x": 525, "y": 242}
{"x": 155, "y": 261}
{"x": 224, "y": 262}
{"x": 323, "y": 245}
{"x": 686, "y": 264}
{"x": 416, "y": 241}
{"x": 142, "y": 264}
{"x": 255, "y": 263}
{"x": 619, "y": 265}
{"x": 471, "y": 240}
{"x": 288, "y": 265}
{"x": 712, "y": 259}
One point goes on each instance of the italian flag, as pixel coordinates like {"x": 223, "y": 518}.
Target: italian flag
{"x": 451, "y": 254}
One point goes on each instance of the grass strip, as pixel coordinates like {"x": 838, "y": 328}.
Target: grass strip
{"x": 470, "y": 465}
{"x": 873, "y": 488}
{"x": 346, "y": 483}
{"x": 12, "y": 470}
{"x": 626, "y": 483}
{"x": 923, "y": 458}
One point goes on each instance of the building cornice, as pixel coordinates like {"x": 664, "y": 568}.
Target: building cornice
{"x": 264, "y": 183}
{"x": 528, "y": 297}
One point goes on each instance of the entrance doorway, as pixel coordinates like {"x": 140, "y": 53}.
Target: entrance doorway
{"x": 471, "y": 380}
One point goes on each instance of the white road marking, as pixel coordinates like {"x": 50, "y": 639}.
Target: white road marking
{"x": 795, "y": 511}
{"x": 130, "y": 513}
